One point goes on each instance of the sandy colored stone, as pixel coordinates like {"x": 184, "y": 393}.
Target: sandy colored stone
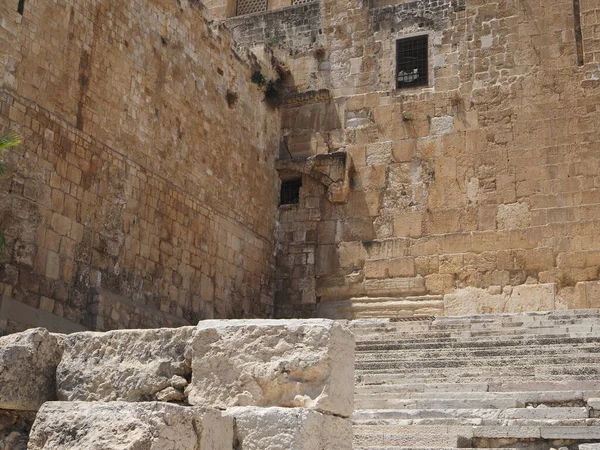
{"x": 307, "y": 363}
{"x": 129, "y": 365}
{"x": 121, "y": 425}
{"x": 516, "y": 215}
{"x": 28, "y": 363}
{"x": 289, "y": 429}
{"x": 522, "y": 298}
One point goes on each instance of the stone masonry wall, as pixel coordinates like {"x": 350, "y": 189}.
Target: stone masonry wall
{"x": 478, "y": 193}
{"x": 144, "y": 193}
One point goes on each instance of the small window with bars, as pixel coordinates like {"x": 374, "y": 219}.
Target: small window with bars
{"x": 412, "y": 62}
{"x": 290, "y": 192}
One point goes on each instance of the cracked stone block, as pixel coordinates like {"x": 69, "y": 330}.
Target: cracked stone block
{"x": 28, "y": 363}
{"x": 289, "y": 429}
{"x": 122, "y": 425}
{"x": 287, "y": 363}
{"x": 128, "y": 365}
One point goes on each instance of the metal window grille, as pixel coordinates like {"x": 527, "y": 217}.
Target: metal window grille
{"x": 251, "y": 6}
{"x": 290, "y": 191}
{"x": 412, "y": 62}
{"x": 301, "y": 2}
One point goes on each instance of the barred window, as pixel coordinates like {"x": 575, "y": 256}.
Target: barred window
{"x": 412, "y": 62}
{"x": 290, "y": 191}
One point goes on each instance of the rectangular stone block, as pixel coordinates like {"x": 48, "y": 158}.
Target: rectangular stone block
{"x": 287, "y": 363}
{"x": 289, "y": 429}
{"x": 128, "y": 365}
{"x": 120, "y": 425}
{"x": 28, "y": 363}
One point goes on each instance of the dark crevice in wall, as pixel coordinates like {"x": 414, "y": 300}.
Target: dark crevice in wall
{"x": 578, "y": 33}
{"x": 21, "y": 7}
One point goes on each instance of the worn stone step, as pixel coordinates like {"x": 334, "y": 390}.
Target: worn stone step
{"x": 377, "y": 352}
{"x": 413, "y": 333}
{"x": 526, "y": 397}
{"x": 481, "y": 373}
{"x": 407, "y": 440}
{"x": 436, "y": 403}
{"x": 496, "y": 386}
{"x": 476, "y": 323}
{"x": 373, "y": 379}
{"x": 471, "y": 413}
{"x": 589, "y": 350}
{"x": 489, "y": 363}
{"x": 448, "y": 342}
{"x": 549, "y": 432}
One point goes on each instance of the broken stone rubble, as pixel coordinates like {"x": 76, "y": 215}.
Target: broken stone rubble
{"x": 107, "y": 384}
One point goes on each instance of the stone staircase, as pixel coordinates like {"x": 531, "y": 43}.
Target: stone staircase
{"x": 527, "y": 381}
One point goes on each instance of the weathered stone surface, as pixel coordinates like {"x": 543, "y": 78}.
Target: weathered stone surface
{"x": 523, "y": 298}
{"x": 121, "y": 425}
{"x": 307, "y": 363}
{"x": 129, "y": 365}
{"x": 289, "y": 429}
{"x": 14, "y": 429}
{"x": 28, "y": 363}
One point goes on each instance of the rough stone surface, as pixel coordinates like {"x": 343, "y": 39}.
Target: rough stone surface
{"x": 129, "y": 365}
{"x": 14, "y": 429}
{"x": 522, "y": 298}
{"x": 289, "y": 429}
{"x": 307, "y": 363}
{"x": 120, "y": 425}
{"x": 28, "y": 363}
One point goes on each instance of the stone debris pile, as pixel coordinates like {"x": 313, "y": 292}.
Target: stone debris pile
{"x": 231, "y": 384}
{"x": 528, "y": 381}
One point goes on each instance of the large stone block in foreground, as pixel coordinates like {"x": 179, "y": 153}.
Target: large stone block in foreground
{"x": 28, "y": 363}
{"x": 290, "y": 363}
{"x": 128, "y": 365}
{"x": 289, "y": 429}
{"x": 121, "y": 425}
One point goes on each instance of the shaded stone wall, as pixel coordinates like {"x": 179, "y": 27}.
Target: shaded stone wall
{"x": 144, "y": 193}
{"x": 478, "y": 193}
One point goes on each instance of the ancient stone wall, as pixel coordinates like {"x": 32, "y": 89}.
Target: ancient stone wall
{"x": 477, "y": 193}
{"x": 144, "y": 193}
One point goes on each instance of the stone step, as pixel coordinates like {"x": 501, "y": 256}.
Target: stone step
{"x": 507, "y": 341}
{"x": 383, "y": 354}
{"x": 549, "y": 432}
{"x": 496, "y": 386}
{"x": 481, "y": 322}
{"x": 481, "y": 363}
{"x": 480, "y": 422}
{"x": 508, "y": 329}
{"x": 408, "y": 440}
{"x": 471, "y": 413}
{"x": 479, "y": 373}
{"x": 435, "y": 403}
{"x": 527, "y": 397}
{"x": 383, "y": 378}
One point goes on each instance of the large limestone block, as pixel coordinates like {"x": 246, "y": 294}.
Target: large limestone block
{"x": 290, "y": 363}
{"x": 129, "y": 365}
{"x": 136, "y": 426}
{"x": 289, "y": 429}
{"x": 28, "y": 363}
{"x": 517, "y": 299}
